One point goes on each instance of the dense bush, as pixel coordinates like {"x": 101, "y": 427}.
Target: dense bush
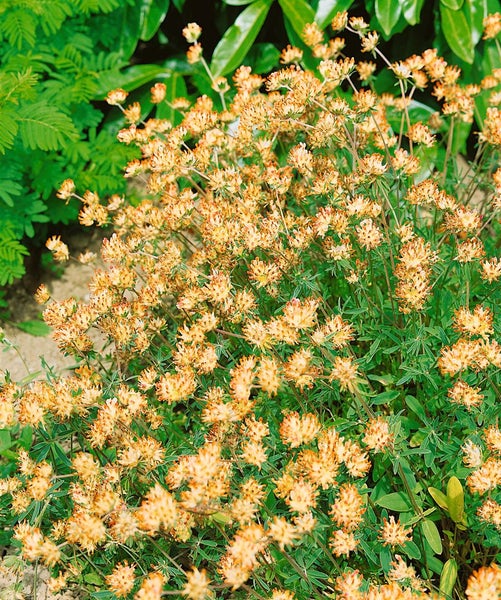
{"x": 298, "y": 392}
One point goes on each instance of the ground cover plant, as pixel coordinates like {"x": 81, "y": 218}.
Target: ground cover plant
{"x": 298, "y": 394}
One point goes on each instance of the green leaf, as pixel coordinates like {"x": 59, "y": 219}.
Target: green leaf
{"x": 458, "y": 33}
{"x": 36, "y": 328}
{"x": 475, "y": 12}
{"x": 455, "y": 499}
{"x": 326, "y": 10}
{"x": 5, "y": 439}
{"x": 8, "y": 130}
{"x": 396, "y": 501}
{"x": 387, "y": 13}
{"x": 452, "y": 4}
{"x": 299, "y": 14}
{"x": 152, "y": 16}
{"x": 448, "y": 577}
{"x": 385, "y": 397}
{"x": 46, "y": 127}
{"x": 238, "y": 2}
{"x": 432, "y": 535}
{"x": 129, "y": 79}
{"x": 93, "y": 579}
{"x": 262, "y": 58}
{"x": 411, "y": 9}
{"x": 176, "y": 88}
{"x": 439, "y": 497}
{"x": 237, "y": 40}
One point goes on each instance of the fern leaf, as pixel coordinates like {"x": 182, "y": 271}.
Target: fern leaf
{"x": 45, "y": 127}
{"x": 95, "y": 6}
{"x": 15, "y": 86}
{"x": 18, "y": 26}
{"x": 8, "y": 190}
{"x": 8, "y": 130}
{"x": 53, "y": 13}
{"x": 11, "y": 258}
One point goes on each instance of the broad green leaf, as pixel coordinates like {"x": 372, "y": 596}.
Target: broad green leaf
{"x": 475, "y": 12}
{"x": 299, "y": 14}
{"x": 396, "y": 501}
{"x": 179, "y": 4}
{"x": 93, "y": 578}
{"x": 439, "y": 497}
{"x": 387, "y": 13}
{"x": 262, "y": 58}
{"x": 448, "y": 577}
{"x": 36, "y": 328}
{"x": 238, "y": 39}
{"x": 129, "y": 79}
{"x": 455, "y": 499}
{"x": 152, "y": 15}
{"x": 452, "y": 4}
{"x": 385, "y": 397}
{"x": 458, "y": 33}
{"x": 411, "y": 9}
{"x": 432, "y": 535}
{"x": 326, "y": 10}
{"x": 176, "y": 88}
{"x": 5, "y": 439}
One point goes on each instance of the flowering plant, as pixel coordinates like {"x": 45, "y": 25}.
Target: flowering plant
{"x": 296, "y": 396}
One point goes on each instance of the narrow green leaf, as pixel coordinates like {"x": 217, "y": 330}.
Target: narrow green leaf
{"x": 458, "y": 33}
{"x": 299, "y": 14}
{"x": 455, "y": 499}
{"x": 452, "y": 4}
{"x": 448, "y": 577}
{"x": 439, "y": 497}
{"x": 152, "y": 15}
{"x": 36, "y": 328}
{"x": 432, "y": 535}
{"x": 387, "y": 13}
{"x": 411, "y": 9}
{"x": 326, "y": 10}
{"x": 237, "y": 40}
{"x": 396, "y": 501}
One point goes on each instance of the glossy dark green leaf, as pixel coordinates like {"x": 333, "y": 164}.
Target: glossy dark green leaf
{"x": 238, "y": 39}
{"x": 475, "y": 12}
{"x": 238, "y": 2}
{"x": 299, "y": 14}
{"x": 263, "y": 58}
{"x": 152, "y": 15}
{"x": 128, "y": 79}
{"x": 179, "y": 4}
{"x": 128, "y": 23}
{"x": 411, "y": 9}
{"x": 387, "y": 13}
{"x": 432, "y": 535}
{"x": 326, "y": 10}
{"x": 452, "y": 4}
{"x": 176, "y": 88}
{"x": 458, "y": 33}
{"x": 396, "y": 501}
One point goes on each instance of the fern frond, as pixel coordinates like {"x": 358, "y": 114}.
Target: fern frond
{"x": 18, "y": 26}
{"x": 70, "y": 59}
{"x": 9, "y": 128}
{"x": 97, "y": 6}
{"x": 45, "y": 127}
{"x": 15, "y": 86}
{"x": 53, "y": 13}
{"x": 11, "y": 258}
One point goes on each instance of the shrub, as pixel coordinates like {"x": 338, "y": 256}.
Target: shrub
{"x": 297, "y": 397}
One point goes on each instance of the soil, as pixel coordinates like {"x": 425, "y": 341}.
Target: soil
{"x": 26, "y": 357}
